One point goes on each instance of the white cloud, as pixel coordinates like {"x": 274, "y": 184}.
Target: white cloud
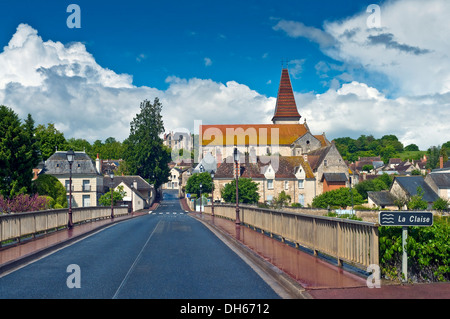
{"x": 407, "y": 57}
{"x": 63, "y": 84}
{"x": 298, "y": 29}
{"x": 355, "y": 109}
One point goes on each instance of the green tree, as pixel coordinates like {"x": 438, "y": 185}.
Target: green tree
{"x": 247, "y": 191}
{"x": 52, "y": 187}
{"x": 18, "y": 153}
{"x": 441, "y": 204}
{"x": 49, "y": 140}
{"x": 117, "y": 196}
{"x": 341, "y": 197}
{"x": 193, "y": 183}
{"x": 144, "y": 150}
{"x": 412, "y": 148}
{"x": 416, "y": 201}
{"x": 387, "y": 153}
{"x": 281, "y": 200}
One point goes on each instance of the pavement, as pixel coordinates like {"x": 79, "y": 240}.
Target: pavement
{"x": 310, "y": 276}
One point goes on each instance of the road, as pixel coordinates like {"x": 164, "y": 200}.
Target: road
{"x": 163, "y": 255}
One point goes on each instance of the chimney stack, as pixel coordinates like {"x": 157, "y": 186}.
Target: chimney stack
{"x": 98, "y": 165}
{"x": 441, "y": 162}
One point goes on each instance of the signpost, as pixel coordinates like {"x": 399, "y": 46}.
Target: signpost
{"x": 405, "y": 219}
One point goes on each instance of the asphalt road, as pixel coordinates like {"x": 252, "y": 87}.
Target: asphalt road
{"x": 163, "y": 255}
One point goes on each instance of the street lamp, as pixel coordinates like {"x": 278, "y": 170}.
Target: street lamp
{"x": 236, "y": 159}
{"x": 212, "y": 197}
{"x": 201, "y": 197}
{"x": 70, "y": 155}
{"x": 132, "y": 194}
{"x": 111, "y": 175}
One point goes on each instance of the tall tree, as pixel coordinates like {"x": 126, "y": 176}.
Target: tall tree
{"x": 144, "y": 150}
{"x": 49, "y": 140}
{"x": 18, "y": 153}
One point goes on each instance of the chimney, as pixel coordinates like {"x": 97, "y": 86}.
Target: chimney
{"x": 441, "y": 162}
{"x": 98, "y": 165}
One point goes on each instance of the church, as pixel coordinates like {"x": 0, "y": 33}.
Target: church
{"x": 306, "y": 164}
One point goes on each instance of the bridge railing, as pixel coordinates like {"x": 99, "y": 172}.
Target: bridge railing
{"x": 18, "y": 225}
{"x": 354, "y": 242}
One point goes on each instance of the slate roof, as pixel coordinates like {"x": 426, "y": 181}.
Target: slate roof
{"x": 142, "y": 184}
{"x": 410, "y": 184}
{"x": 334, "y": 177}
{"x": 442, "y": 180}
{"x": 208, "y": 163}
{"x": 57, "y": 164}
{"x": 382, "y": 198}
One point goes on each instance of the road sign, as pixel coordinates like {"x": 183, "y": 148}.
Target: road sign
{"x": 405, "y": 218}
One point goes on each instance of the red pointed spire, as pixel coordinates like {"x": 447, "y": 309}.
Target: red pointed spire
{"x": 286, "y": 108}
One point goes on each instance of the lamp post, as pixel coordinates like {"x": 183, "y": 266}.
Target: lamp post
{"x": 70, "y": 158}
{"x": 212, "y": 197}
{"x": 236, "y": 159}
{"x": 111, "y": 175}
{"x": 201, "y": 202}
{"x": 132, "y": 194}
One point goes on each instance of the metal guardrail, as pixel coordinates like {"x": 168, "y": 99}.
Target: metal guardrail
{"x": 18, "y": 225}
{"x": 354, "y": 242}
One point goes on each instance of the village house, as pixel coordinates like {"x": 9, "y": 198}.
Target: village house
{"x": 404, "y": 187}
{"x": 291, "y": 174}
{"x": 87, "y": 180}
{"x": 138, "y": 192}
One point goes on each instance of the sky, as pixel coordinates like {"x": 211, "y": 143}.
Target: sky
{"x": 356, "y": 67}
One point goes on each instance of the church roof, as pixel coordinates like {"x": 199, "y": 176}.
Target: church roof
{"x": 251, "y": 134}
{"x": 286, "y": 106}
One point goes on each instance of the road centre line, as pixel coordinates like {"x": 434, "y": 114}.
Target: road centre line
{"x": 134, "y": 263}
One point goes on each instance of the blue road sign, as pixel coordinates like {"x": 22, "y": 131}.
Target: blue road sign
{"x": 405, "y": 218}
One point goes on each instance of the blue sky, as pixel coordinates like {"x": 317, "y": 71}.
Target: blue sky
{"x": 220, "y": 62}
{"x": 152, "y": 40}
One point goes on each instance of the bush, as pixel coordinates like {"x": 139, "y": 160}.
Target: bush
{"x": 427, "y": 247}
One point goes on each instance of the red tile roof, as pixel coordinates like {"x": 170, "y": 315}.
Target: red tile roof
{"x": 253, "y": 134}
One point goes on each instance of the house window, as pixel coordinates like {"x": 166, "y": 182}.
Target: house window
{"x": 269, "y": 198}
{"x": 270, "y": 184}
{"x": 286, "y": 185}
{"x": 86, "y": 185}
{"x": 67, "y": 184}
{"x": 301, "y": 183}
{"x": 325, "y": 163}
{"x": 86, "y": 200}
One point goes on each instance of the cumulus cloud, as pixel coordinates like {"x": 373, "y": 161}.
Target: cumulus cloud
{"x": 356, "y": 108}
{"x": 406, "y": 57}
{"x": 63, "y": 84}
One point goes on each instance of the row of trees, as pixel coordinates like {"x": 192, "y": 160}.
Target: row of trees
{"x": 24, "y": 145}
{"x": 387, "y": 147}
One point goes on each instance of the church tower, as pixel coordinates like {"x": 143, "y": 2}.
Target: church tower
{"x": 286, "y": 109}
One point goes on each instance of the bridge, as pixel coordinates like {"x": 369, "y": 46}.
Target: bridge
{"x": 171, "y": 253}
